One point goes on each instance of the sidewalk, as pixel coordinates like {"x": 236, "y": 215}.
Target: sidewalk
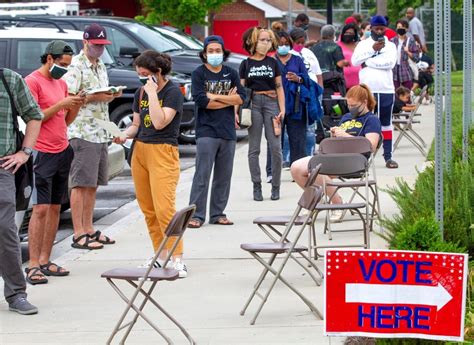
{"x": 82, "y": 308}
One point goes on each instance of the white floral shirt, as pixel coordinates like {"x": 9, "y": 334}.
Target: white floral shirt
{"x": 83, "y": 75}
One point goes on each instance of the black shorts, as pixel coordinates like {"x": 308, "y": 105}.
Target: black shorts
{"x": 51, "y": 175}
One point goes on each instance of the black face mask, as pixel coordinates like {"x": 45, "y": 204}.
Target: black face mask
{"x": 305, "y": 27}
{"x": 348, "y": 38}
{"x": 401, "y": 31}
{"x": 375, "y": 36}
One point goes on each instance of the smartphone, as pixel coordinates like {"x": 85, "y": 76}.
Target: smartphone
{"x": 381, "y": 39}
{"x": 154, "y": 79}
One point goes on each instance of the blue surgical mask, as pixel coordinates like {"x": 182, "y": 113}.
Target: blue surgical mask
{"x": 283, "y": 50}
{"x": 367, "y": 34}
{"x": 215, "y": 59}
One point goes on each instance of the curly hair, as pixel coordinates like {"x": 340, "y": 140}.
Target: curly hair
{"x": 362, "y": 93}
{"x": 154, "y": 62}
{"x": 250, "y": 39}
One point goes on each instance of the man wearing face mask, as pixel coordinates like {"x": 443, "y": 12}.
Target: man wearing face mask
{"x": 52, "y": 158}
{"x": 89, "y": 167}
{"x": 216, "y": 90}
{"x": 377, "y": 56}
{"x": 302, "y": 22}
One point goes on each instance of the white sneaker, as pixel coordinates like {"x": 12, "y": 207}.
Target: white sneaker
{"x": 336, "y": 216}
{"x": 158, "y": 263}
{"x": 179, "y": 266}
{"x": 269, "y": 179}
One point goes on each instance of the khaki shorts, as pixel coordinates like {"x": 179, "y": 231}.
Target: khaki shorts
{"x": 90, "y": 166}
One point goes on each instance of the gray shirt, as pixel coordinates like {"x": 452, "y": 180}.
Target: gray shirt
{"x": 416, "y": 28}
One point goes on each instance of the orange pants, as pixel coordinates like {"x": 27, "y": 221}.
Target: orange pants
{"x": 155, "y": 171}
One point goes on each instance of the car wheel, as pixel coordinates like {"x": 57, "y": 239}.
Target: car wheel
{"x": 187, "y": 136}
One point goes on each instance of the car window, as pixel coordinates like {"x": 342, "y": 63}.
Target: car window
{"x": 119, "y": 39}
{"x": 30, "y": 51}
{"x": 3, "y": 53}
{"x": 182, "y": 40}
{"x": 156, "y": 40}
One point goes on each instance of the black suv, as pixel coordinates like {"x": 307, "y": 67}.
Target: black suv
{"x": 129, "y": 38}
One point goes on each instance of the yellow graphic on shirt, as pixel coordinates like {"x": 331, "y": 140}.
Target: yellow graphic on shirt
{"x": 147, "y": 120}
{"x": 144, "y": 105}
{"x": 351, "y": 124}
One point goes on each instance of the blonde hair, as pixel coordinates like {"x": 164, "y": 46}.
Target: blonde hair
{"x": 250, "y": 39}
{"x": 277, "y": 26}
{"x": 362, "y": 93}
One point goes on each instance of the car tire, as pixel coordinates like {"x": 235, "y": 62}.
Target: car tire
{"x": 187, "y": 136}
{"x": 122, "y": 115}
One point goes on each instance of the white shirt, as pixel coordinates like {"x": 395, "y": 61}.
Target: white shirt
{"x": 311, "y": 62}
{"x": 377, "y": 74}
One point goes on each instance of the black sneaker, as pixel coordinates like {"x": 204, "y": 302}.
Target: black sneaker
{"x": 22, "y": 306}
{"x": 275, "y": 193}
{"x": 257, "y": 192}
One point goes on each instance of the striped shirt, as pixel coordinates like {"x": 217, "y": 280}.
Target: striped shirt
{"x": 26, "y": 105}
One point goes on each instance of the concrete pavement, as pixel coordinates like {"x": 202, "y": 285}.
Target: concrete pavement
{"x": 82, "y": 308}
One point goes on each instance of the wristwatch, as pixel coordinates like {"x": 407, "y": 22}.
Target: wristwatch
{"x": 27, "y": 150}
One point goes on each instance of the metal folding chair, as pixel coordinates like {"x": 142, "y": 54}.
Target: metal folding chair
{"x": 344, "y": 165}
{"x": 308, "y": 201}
{"x": 270, "y": 224}
{"x": 174, "y": 232}
{"x": 403, "y": 123}
{"x": 363, "y": 146}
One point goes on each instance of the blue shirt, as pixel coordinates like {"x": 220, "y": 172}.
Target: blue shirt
{"x": 361, "y": 125}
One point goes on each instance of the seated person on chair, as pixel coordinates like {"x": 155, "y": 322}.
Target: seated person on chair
{"x": 402, "y": 101}
{"x": 359, "y": 122}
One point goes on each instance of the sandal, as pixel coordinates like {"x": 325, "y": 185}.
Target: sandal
{"x": 96, "y": 237}
{"x": 86, "y": 244}
{"x": 58, "y": 272}
{"x": 194, "y": 223}
{"x": 391, "y": 164}
{"x": 223, "y": 221}
{"x": 33, "y": 272}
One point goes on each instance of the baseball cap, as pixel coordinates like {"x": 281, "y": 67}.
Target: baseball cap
{"x": 58, "y": 47}
{"x": 96, "y": 34}
{"x": 213, "y": 39}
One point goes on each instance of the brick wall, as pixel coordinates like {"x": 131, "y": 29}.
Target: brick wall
{"x": 241, "y": 10}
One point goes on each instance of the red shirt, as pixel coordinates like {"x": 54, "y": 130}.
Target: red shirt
{"x": 389, "y": 33}
{"x": 47, "y": 92}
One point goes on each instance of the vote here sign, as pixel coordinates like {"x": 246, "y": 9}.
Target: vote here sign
{"x": 395, "y": 294}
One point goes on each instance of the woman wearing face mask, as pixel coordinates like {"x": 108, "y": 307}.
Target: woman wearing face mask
{"x": 262, "y": 75}
{"x": 360, "y": 121}
{"x": 406, "y": 50}
{"x": 216, "y": 90}
{"x": 364, "y": 30}
{"x": 348, "y": 41}
{"x": 157, "y": 110}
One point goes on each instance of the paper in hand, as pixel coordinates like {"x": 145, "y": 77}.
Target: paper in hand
{"x": 110, "y": 127}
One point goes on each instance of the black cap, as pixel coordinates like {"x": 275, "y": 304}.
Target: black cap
{"x": 58, "y": 47}
{"x": 213, "y": 39}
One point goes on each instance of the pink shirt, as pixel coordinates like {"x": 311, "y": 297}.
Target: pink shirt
{"x": 351, "y": 73}
{"x": 47, "y": 92}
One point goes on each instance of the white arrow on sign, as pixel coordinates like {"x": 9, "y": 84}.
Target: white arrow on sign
{"x": 398, "y": 294}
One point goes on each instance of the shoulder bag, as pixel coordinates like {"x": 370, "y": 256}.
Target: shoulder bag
{"x": 246, "y": 110}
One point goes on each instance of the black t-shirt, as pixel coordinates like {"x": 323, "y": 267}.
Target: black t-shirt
{"x": 215, "y": 123}
{"x": 328, "y": 54}
{"x": 260, "y": 75}
{"x": 170, "y": 97}
{"x": 398, "y": 105}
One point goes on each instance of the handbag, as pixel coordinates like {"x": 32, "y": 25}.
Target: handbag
{"x": 412, "y": 64}
{"x": 246, "y": 109}
{"x": 24, "y": 174}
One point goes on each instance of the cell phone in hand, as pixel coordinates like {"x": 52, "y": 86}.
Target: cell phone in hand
{"x": 381, "y": 39}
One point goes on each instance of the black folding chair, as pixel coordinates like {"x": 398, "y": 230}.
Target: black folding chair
{"x": 174, "y": 232}
{"x": 308, "y": 201}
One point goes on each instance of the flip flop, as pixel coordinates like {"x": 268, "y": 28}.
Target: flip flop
{"x": 35, "y": 272}
{"x": 59, "y": 272}
{"x": 88, "y": 240}
{"x": 194, "y": 223}
{"x": 223, "y": 221}
{"x": 391, "y": 164}
{"x": 96, "y": 237}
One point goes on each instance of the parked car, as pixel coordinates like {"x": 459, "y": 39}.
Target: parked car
{"x": 129, "y": 38}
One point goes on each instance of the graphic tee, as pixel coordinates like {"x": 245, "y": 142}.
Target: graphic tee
{"x": 47, "y": 92}
{"x": 260, "y": 75}
{"x": 169, "y": 97}
{"x": 215, "y": 123}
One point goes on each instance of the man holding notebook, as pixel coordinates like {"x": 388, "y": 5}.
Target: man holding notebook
{"x": 89, "y": 167}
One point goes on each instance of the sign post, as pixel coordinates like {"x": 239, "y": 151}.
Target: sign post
{"x": 395, "y": 294}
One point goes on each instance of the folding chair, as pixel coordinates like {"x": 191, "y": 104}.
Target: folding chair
{"x": 403, "y": 122}
{"x": 174, "y": 232}
{"x": 269, "y": 225}
{"x": 363, "y": 146}
{"x": 308, "y": 201}
{"x": 344, "y": 165}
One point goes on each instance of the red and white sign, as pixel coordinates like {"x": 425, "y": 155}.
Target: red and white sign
{"x": 395, "y": 294}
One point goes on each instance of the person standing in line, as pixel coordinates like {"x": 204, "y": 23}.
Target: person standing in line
{"x": 406, "y": 50}
{"x": 89, "y": 167}
{"x": 261, "y": 74}
{"x": 11, "y": 159}
{"x": 416, "y": 29}
{"x": 157, "y": 111}
{"x": 377, "y": 56}
{"x": 364, "y": 30}
{"x": 348, "y": 41}
{"x": 52, "y": 158}
{"x": 216, "y": 90}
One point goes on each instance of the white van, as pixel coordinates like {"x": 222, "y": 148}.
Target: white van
{"x": 40, "y": 8}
